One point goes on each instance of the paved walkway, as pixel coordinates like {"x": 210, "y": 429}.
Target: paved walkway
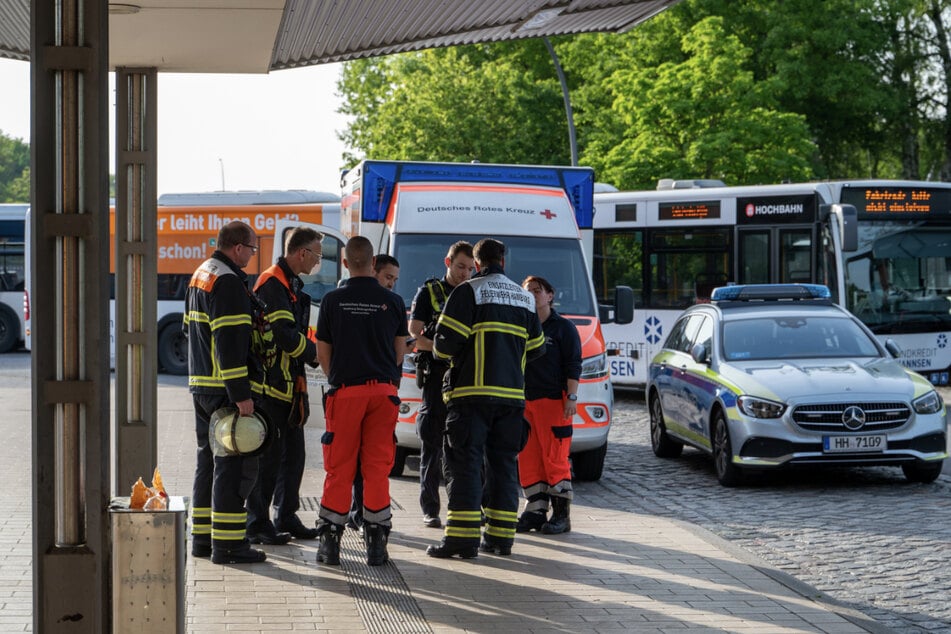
{"x": 616, "y": 571}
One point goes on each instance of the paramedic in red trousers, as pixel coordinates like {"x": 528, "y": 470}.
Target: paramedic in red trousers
{"x": 487, "y": 330}
{"x": 281, "y": 467}
{"x": 218, "y": 322}
{"x": 431, "y": 421}
{"x": 551, "y": 394}
{"x": 361, "y": 333}
{"x": 386, "y": 270}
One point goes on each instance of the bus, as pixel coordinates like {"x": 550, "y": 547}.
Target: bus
{"x": 12, "y": 268}
{"x": 188, "y": 226}
{"x": 675, "y": 244}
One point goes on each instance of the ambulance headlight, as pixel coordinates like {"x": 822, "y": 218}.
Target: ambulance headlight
{"x": 594, "y": 367}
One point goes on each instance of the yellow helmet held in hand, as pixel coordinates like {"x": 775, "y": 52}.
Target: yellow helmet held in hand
{"x": 231, "y": 434}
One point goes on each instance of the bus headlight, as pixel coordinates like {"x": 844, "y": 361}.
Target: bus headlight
{"x": 594, "y": 367}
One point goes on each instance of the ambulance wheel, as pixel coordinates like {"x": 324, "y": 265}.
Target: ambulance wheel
{"x": 588, "y": 465}
{"x": 400, "y": 462}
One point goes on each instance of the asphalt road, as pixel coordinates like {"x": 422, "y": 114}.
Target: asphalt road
{"x": 866, "y": 537}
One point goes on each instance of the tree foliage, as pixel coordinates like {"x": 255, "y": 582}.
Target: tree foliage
{"x": 14, "y": 170}
{"x": 741, "y": 90}
{"x": 702, "y": 116}
{"x": 497, "y": 103}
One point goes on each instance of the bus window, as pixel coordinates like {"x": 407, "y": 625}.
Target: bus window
{"x": 618, "y": 261}
{"x": 754, "y": 257}
{"x": 795, "y": 256}
{"x": 680, "y": 260}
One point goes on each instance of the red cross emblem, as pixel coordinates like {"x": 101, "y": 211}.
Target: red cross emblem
{"x": 548, "y": 214}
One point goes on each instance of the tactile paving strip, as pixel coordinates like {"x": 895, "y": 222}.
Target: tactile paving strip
{"x": 383, "y": 598}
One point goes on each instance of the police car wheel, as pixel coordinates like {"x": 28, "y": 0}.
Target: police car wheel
{"x": 924, "y": 472}
{"x": 728, "y": 473}
{"x": 661, "y": 444}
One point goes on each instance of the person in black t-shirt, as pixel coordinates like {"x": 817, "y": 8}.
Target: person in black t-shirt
{"x": 361, "y": 333}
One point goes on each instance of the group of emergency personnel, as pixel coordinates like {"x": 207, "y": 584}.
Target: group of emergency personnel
{"x": 472, "y": 334}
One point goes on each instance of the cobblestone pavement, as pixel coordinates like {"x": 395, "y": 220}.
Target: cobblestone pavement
{"x": 865, "y": 537}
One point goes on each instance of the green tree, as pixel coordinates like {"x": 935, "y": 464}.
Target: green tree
{"x": 14, "y": 169}
{"x": 704, "y": 117}
{"x": 495, "y": 103}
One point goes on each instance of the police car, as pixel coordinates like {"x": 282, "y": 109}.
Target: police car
{"x": 769, "y": 376}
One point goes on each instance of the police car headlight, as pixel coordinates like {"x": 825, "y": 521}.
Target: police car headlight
{"x": 930, "y": 403}
{"x": 760, "y": 407}
{"x": 594, "y": 367}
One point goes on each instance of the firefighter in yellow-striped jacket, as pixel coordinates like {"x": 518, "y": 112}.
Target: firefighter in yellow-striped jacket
{"x": 487, "y": 330}
{"x": 287, "y": 350}
{"x": 219, "y": 318}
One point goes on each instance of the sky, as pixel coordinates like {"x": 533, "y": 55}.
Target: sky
{"x": 275, "y": 131}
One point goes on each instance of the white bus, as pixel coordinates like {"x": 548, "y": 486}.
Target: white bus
{"x": 673, "y": 245}
{"x": 12, "y": 271}
{"x": 188, "y": 226}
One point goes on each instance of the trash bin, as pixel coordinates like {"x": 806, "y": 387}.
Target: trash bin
{"x": 148, "y": 567}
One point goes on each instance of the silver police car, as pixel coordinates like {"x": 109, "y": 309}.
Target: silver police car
{"x": 769, "y": 376}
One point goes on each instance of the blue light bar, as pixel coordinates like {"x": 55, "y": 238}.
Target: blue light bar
{"x": 775, "y": 292}
{"x": 380, "y": 177}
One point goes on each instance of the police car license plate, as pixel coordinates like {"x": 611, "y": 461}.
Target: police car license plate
{"x": 835, "y": 444}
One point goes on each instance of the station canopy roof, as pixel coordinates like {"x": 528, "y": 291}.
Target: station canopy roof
{"x": 259, "y": 36}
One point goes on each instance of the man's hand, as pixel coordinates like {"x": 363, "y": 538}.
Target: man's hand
{"x": 246, "y": 407}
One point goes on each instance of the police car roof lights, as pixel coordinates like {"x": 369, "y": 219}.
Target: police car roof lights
{"x": 770, "y": 292}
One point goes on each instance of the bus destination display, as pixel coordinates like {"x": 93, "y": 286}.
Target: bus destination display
{"x": 898, "y": 202}
{"x": 693, "y": 210}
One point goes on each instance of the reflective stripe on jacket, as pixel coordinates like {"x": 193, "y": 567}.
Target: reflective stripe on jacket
{"x": 218, "y": 322}
{"x": 487, "y": 330}
{"x": 288, "y": 311}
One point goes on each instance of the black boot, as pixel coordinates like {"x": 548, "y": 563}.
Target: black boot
{"x": 329, "y": 551}
{"x": 560, "y": 521}
{"x": 530, "y": 521}
{"x": 375, "y": 536}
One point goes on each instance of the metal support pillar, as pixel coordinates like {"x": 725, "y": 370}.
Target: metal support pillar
{"x": 70, "y": 300}
{"x": 136, "y": 288}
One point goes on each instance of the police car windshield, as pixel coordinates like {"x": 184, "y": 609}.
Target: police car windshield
{"x": 795, "y": 336}
{"x": 560, "y": 261}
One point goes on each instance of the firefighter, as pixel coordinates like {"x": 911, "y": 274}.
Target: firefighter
{"x": 426, "y": 307}
{"x": 219, "y": 315}
{"x": 361, "y": 334}
{"x": 487, "y": 330}
{"x": 287, "y": 350}
{"x": 551, "y": 394}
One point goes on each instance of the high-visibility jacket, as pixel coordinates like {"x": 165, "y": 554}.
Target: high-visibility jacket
{"x": 218, "y": 322}
{"x": 487, "y": 330}
{"x": 288, "y": 312}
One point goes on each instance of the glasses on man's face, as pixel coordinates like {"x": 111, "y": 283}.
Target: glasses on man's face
{"x": 314, "y": 253}
{"x": 253, "y": 248}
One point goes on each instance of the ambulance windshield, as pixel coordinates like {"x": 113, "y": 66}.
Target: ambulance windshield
{"x": 558, "y": 260}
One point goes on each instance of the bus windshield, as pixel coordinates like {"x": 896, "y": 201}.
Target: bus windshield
{"x": 560, "y": 261}
{"x": 900, "y": 281}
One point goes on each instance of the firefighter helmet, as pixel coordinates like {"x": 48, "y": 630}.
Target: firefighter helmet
{"x": 231, "y": 434}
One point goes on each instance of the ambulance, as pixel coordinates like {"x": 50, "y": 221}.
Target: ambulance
{"x": 415, "y": 210}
